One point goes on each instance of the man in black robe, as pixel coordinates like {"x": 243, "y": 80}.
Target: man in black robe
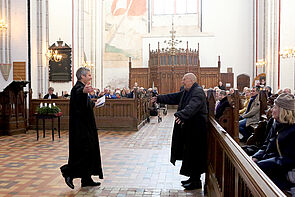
{"x": 84, "y": 152}
{"x": 189, "y": 133}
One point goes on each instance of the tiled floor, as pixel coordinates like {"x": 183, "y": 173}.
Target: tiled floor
{"x": 134, "y": 164}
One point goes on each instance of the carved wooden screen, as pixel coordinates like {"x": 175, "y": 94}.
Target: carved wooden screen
{"x": 166, "y": 71}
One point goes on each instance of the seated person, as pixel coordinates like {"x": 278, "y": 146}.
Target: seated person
{"x": 262, "y": 82}
{"x": 245, "y": 89}
{"x": 66, "y": 94}
{"x": 107, "y": 93}
{"x": 277, "y": 156}
{"x": 252, "y": 114}
{"x": 268, "y": 91}
{"x": 231, "y": 91}
{"x": 50, "y": 94}
{"x": 131, "y": 94}
{"x": 248, "y": 96}
{"x": 287, "y": 91}
{"x": 221, "y": 86}
{"x": 97, "y": 92}
{"x": 118, "y": 94}
{"x": 112, "y": 94}
{"x": 124, "y": 93}
{"x": 92, "y": 95}
{"x": 223, "y": 103}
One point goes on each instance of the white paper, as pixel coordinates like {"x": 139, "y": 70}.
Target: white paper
{"x": 100, "y": 102}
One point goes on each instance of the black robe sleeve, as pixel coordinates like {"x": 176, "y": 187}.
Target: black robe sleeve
{"x": 195, "y": 104}
{"x": 170, "y": 99}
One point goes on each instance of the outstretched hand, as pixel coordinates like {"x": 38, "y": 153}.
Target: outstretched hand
{"x": 88, "y": 88}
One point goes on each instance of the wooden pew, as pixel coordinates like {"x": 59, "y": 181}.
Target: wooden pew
{"x": 258, "y": 131}
{"x": 117, "y": 114}
{"x": 231, "y": 172}
{"x": 230, "y": 118}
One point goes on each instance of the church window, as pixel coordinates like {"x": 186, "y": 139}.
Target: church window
{"x": 170, "y": 7}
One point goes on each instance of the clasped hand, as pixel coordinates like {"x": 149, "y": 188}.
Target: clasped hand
{"x": 177, "y": 120}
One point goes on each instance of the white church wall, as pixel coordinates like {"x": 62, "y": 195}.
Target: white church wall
{"x": 19, "y": 33}
{"x": 18, "y": 28}
{"x": 287, "y": 70}
{"x": 227, "y": 31}
{"x": 231, "y": 22}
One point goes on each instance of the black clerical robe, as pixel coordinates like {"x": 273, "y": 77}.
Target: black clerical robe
{"x": 84, "y": 152}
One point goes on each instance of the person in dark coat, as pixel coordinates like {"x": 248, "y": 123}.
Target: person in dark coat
{"x": 277, "y": 156}
{"x": 84, "y": 152}
{"x": 223, "y": 103}
{"x": 189, "y": 133}
{"x": 221, "y": 86}
{"x": 50, "y": 94}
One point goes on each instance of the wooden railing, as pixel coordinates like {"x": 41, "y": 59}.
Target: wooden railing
{"x": 231, "y": 172}
{"x": 117, "y": 114}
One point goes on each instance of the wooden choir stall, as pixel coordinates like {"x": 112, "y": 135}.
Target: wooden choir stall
{"x": 117, "y": 114}
{"x": 165, "y": 70}
{"x": 13, "y": 109}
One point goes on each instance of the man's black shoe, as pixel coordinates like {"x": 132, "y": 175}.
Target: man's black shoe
{"x": 85, "y": 182}
{"x": 186, "y": 182}
{"x": 193, "y": 185}
{"x": 69, "y": 181}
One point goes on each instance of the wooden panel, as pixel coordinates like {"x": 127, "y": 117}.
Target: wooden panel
{"x": 231, "y": 172}
{"x": 19, "y": 71}
{"x": 117, "y": 114}
{"x": 243, "y": 81}
{"x": 140, "y": 76}
{"x": 227, "y": 78}
{"x": 13, "y": 105}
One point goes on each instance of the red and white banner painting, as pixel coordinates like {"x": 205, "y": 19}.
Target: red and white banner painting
{"x": 128, "y": 7}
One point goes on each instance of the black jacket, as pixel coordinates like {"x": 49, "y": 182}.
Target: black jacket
{"x": 84, "y": 152}
{"x": 53, "y": 96}
{"x": 285, "y": 135}
{"x": 189, "y": 138}
{"x": 277, "y": 155}
{"x": 221, "y": 107}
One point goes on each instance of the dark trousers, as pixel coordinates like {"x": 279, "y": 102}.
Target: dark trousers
{"x": 242, "y": 125}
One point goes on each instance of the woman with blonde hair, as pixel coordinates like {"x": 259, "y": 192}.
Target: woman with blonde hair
{"x": 277, "y": 155}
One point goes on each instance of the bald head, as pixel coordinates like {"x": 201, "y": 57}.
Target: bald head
{"x": 188, "y": 80}
{"x": 191, "y": 76}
